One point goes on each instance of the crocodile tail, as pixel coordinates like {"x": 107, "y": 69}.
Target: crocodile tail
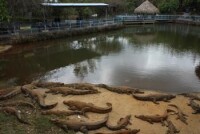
{"x": 170, "y": 110}
{"x": 135, "y": 96}
{"x": 106, "y": 117}
{"x": 128, "y": 116}
{"x": 109, "y": 104}
{"x": 49, "y": 106}
{"x": 135, "y": 131}
{"x": 137, "y": 116}
{"x": 173, "y": 105}
{"x": 102, "y": 85}
{"x": 30, "y": 105}
{"x": 48, "y": 91}
{"x": 137, "y": 91}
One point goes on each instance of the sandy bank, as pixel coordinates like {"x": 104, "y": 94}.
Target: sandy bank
{"x": 125, "y": 104}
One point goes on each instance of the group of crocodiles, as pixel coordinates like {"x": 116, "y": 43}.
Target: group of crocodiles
{"x": 81, "y": 108}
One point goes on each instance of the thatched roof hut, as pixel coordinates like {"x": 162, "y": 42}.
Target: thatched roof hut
{"x": 146, "y": 8}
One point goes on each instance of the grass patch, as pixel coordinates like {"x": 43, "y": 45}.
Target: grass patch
{"x": 5, "y": 118}
{"x": 10, "y": 125}
{"x": 42, "y": 124}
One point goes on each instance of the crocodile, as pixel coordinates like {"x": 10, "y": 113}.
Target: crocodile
{"x": 120, "y": 89}
{"x": 2, "y": 92}
{"x": 16, "y": 91}
{"x": 13, "y": 111}
{"x": 171, "y": 128}
{"x": 39, "y": 98}
{"x": 121, "y": 124}
{"x": 87, "y": 107}
{"x": 80, "y": 125}
{"x": 191, "y": 96}
{"x": 81, "y": 86}
{"x": 17, "y": 103}
{"x": 194, "y": 106}
{"x": 129, "y": 131}
{"x": 181, "y": 116}
{"x": 59, "y": 112}
{"x": 154, "y": 97}
{"x": 155, "y": 118}
{"x": 47, "y": 84}
{"x": 70, "y": 91}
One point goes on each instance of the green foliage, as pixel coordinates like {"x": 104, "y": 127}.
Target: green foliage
{"x": 87, "y": 12}
{"x": 4, "y": 118}
{"x": 131, "y": 5}
{"x": 31, "y": 9}
{"x": 4, "y": 16}
{"x": 168, "y": 6}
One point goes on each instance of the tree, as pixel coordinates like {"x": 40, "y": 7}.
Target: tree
{"x": 4, "y": 16}
{"x": 130, "y": 5}
{"x": 168, "y": 6}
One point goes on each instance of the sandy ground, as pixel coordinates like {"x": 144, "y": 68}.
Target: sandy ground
{"x": 125, "y": 104}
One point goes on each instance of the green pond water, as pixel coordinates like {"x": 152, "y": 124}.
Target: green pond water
{"x": 163, "y": 57}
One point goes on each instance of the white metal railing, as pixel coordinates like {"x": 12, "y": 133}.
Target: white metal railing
{"x": 157, "y": 17}
{"x": 53, "y": 26}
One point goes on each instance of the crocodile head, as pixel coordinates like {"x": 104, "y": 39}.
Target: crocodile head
{"x": 69, "y": 103}
{"x": 171, "y": 96}
{"x": 134, "y": 131}
{"x": 140, "y": 116}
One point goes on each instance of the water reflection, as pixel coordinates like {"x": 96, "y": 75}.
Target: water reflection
{"x": 197, "y": 71}
{"x": 82, "y": 69}
{"x": 29, "y": 63}
{"x": 160, "y": 57}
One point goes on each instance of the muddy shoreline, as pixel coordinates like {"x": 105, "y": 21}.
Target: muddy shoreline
{"x": 49, "y": 35}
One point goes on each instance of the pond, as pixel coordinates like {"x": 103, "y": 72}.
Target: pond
{"x": 164, "y": 57}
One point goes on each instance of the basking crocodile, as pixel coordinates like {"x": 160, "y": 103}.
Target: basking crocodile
{"x": 154, "y": 97}
{"x": 121, "y": 124}
{"x": 171, "y": 128}
{"x": 70, "y": 91}
{"x": 87, "y": 107}
{"x": 47, "y": 84}
{"x": 129, "y": 131}
{"x": 13, "y": 111}
{"x": 39, "y": 98}
{"x": 180, "y": 114}
{"x": 155, "y": 118}
{"x": 194, "y": 106}
{"x": 16, "y": 91}
{"x": 59, "y": 112}
{"x": 81, "y": 86}
{"x": 120, "y": 90}
{"x": 191, "y": 96}
{"x": 80, "y": 125}
{"x": 17, "y": 103}
{"x": 2, "y": 92}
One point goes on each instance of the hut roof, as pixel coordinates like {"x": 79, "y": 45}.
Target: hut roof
{"x": 146, "y": 8}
